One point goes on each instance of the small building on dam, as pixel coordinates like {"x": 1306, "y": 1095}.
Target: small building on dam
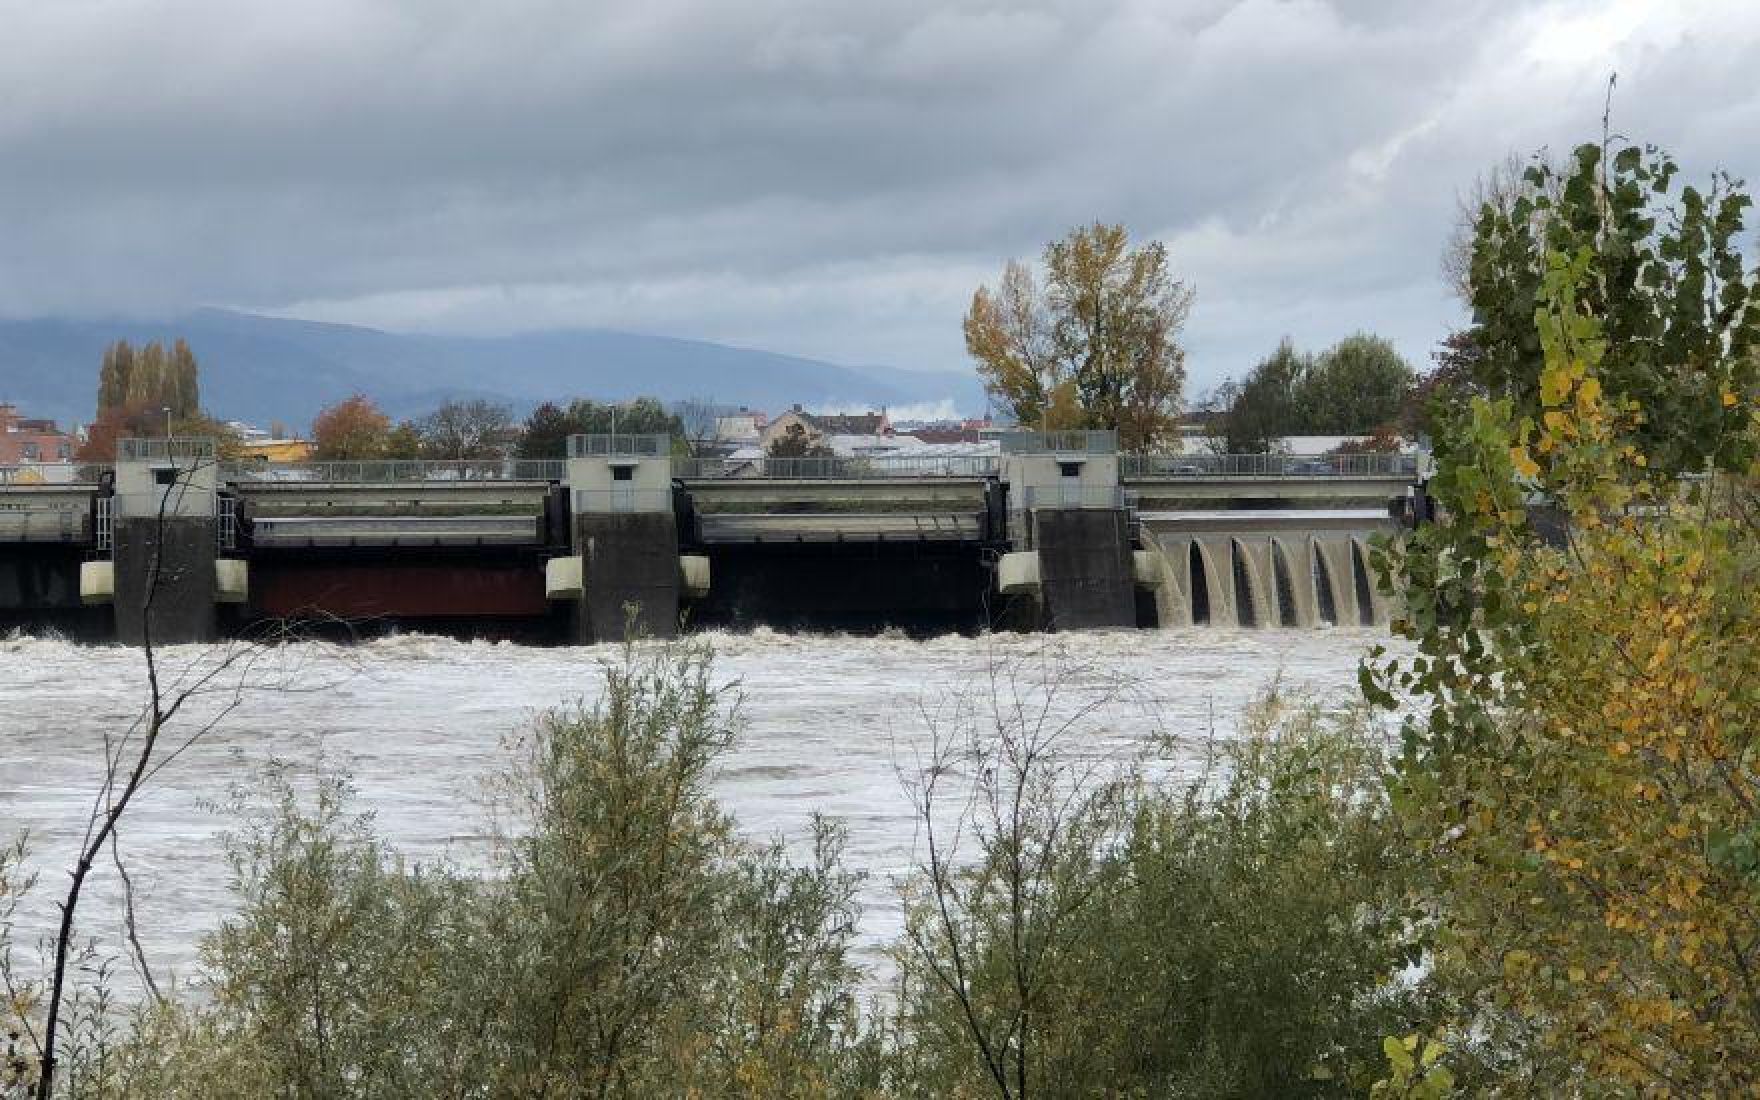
{"x": 1057, "y": 531}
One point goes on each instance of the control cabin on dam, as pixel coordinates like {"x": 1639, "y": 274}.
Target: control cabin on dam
{"x": 1054, "y": 531}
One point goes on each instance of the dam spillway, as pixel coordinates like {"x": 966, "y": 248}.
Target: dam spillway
{"x": 1056, "y": 532}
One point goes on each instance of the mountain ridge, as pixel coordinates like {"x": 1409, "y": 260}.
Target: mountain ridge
{"x": 262, "y": 368}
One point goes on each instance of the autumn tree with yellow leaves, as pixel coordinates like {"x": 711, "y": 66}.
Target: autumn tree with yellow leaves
{"x": 1584, "y": 761}
{"x": 1095, "y": 346}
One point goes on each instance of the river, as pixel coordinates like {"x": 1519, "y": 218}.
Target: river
{"x": 420, "y": 722}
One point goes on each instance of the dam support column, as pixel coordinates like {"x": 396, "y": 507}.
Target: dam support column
{"x": 625, "y": 536}
{"x": 165, "y": 541}
{"x": 1069, "y": 529}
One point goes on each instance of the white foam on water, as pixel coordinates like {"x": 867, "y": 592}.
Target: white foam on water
{"x": 420, "y": 723}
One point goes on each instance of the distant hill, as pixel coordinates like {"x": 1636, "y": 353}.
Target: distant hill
{"x": 261, "y": 369}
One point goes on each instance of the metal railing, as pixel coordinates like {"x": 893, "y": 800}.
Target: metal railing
{"x": 1067, "y": 442}
{"x": 396, "y": 470}
{"x": 105, "y": 514}
{"x": 226, "y": 524}
{"x": 169, "y": 450}
{"x": 52, "y": 473}
{"x": 651, "y": 445}
{"x": 1076, "y": 496}
{"x": 600, "y": 501}
{"x": 854, "y": 468}
{"x": 1200, "y": 464}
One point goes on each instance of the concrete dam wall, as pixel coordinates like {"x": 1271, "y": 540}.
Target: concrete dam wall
{"x": 1057, "y": 531}
{"x": 1250, "y": 579}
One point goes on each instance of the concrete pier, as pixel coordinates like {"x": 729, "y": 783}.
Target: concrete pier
{"x": 1069, "y": 530}
{"x": 629, "y": 575}
{"x": 165, "y": 580}
{"x": 1086, "y": 573}
{"x": 165, "y": 541}
{"x": 625, "y": 536}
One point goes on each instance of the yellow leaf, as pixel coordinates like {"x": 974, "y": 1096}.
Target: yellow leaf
{"x": 1589, "y": 391}
{"x": 1554, "y": 384}
{"x": 1729, "y": 399}
{"x": 1523, "y": 462}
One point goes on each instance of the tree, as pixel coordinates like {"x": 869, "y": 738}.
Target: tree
{"x": 1265, "y": 408}
{"x": 119, "y": 422}
{"x": 114, "y": 375}
{"x": 795, "y": 442}
{"x": 1358, "y": 385}
{"x": 149, "y": 378}
{"x": 697, "y": 418}
{"x": 467, "y": 429}
{"x": 546, "y": 432}
{"x": 629, "y": 944}
{"x": 182, "y": 388}
{"x": 1584, "y": 673}
{"x": 1664, "y": 278}
{"x": 1097, "y": 347}
{"x": 405, "y": 442}
{"x": 352, "y": 428}
{"x": 1497, "y": 188}
{"x": 548, "y": 427}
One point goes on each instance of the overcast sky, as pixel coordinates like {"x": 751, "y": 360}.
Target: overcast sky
{"x": 820, "y": 177}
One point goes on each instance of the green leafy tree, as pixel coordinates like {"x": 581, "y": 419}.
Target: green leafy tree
{"x": 1264, "y": 408}
{"x": 547, "y": 429}
{"x": 1358, "y": 385}
{"x": 1664, "y": 278}
{"x": 1584, "y": 667}
{"x": 405, "y": 442}
{"x": 1097, "y": 347}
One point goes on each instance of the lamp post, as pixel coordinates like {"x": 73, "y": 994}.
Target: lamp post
{"x": 167, "y": 411}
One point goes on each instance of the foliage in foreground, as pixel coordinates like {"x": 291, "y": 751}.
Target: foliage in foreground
{"x": 1587, "y": 620}
{"x": 1240, "y": 934}
{"x": 1243, "y": 934}
{"x": 626, "y": 945}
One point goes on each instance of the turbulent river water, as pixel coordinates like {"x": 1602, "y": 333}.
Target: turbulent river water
{"x": 420, "y": 722}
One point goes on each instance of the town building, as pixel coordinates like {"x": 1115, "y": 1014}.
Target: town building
{"x": 744, "y": 428}
{"x": 24, "y": 441}
{"x": 818, "y": 426}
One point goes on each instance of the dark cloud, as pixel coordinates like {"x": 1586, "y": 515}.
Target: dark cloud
{"x": 818, "y": 177}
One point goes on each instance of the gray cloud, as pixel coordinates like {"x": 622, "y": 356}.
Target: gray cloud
{"x": 824, "y": 178}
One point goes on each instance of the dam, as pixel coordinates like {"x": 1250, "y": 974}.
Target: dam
{"x": 1058, "y": 531}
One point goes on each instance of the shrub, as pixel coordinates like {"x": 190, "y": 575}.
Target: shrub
{"x": 1244, "y": 934}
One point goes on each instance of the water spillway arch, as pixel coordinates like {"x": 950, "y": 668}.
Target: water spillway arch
{"x": 1293, "y": 579}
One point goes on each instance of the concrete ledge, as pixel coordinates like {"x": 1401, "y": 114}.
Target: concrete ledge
{"x": 693, "y": 575}
{"x": 97, "y": 582}
{"x": 1018, "y": 573}
{"x": 562, "y": 578}
{"x": 231, "y": 580}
